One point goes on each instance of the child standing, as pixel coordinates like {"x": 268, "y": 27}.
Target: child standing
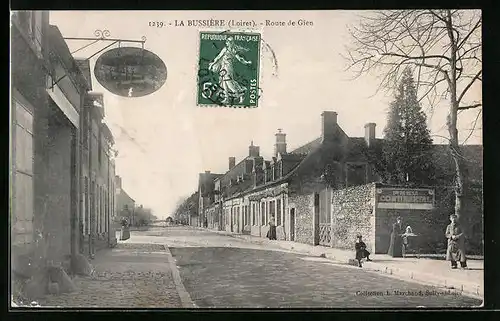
{"x": 361, "y": 251}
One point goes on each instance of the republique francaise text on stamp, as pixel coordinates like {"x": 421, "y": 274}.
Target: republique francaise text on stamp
{"x": 228, "y": 69}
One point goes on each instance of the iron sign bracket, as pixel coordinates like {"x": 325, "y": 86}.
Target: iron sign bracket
{"x": 54, "y": 83}
{"x": 103, "y": 35}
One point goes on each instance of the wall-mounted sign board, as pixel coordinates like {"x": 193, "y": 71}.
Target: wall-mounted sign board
{"x": 403, "y": 198}
{"x": 130, "y": 71}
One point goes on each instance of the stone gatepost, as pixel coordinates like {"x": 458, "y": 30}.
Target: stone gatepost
{"x": 316, "y": 219}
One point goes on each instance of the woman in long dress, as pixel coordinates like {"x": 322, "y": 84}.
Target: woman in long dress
{"x": 271, "y": 234}
{"x": 456, "y": 243}
{"x": 223, "y": 65}
{"x": 396, "y": 245}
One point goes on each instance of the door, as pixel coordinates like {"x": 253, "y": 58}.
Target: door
{"x": 231, "y": 219}
{"x": 92, "y": 225}
{"x": 292, "y": 224}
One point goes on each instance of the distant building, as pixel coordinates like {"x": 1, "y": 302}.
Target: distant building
{"x": 125, "y": 205}
{"x": 98, "y": 170}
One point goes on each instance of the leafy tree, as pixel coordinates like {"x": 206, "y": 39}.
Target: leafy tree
{"x": 407, "y": 150}
{"x": 445, "y": 47}
{"x": 138, "y": 216}
{"x": 186, "y": 208}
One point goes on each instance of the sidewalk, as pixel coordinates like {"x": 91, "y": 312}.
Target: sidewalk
{"x": 129, "y": 275}
{"x": 423, "y": 271}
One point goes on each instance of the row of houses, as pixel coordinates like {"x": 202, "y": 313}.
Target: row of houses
{"x": 327, "y": 191}
{"x": 62, "y": 171}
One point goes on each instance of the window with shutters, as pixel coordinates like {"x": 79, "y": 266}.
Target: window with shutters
{"x": 22, "y": 220}
{"x": 86, "y": 221}
{"x": 99, "y": 146}
{"x": 106, "y": 210}
{"x": 278, "y": 214}
{"x": 263, "y": 213}
{"x": 103, "y": 210}
{"x": 86, "y": 128}
{"x": 254, "y": 218}
{"x": 272, "y": 210}
{"x": 98, "y": 210}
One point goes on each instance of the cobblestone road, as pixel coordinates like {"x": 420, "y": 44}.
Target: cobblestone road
{"x": 129, "y": 276}
{"x": 220, "y": 273}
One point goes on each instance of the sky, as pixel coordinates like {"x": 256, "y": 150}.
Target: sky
{"x": 164, "y": 140}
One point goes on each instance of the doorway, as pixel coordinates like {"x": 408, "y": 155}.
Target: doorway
{"x": 292, "y": 224}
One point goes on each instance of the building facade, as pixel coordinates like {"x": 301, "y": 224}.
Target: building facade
{"x": 47, "y": 157}
{"x": 47, "y": 92}
{"x": 29, "y": 69}
{"x": 98, "y": 178}
{"x": 324, "y": 193}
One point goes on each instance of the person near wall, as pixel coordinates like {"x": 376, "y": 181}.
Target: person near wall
{"x": 456, "y": 243}
{"x": 406, "y": 240}
{"x": 271, "y": 234}
{"x": 396, "y": 244}
{"x": 361, "y": 251}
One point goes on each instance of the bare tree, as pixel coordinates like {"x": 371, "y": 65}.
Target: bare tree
{"x": 444, "y": 46}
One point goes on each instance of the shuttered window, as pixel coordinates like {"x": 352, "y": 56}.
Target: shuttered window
{"x": 22, "y": 220}
{"x": 278, "y": 215}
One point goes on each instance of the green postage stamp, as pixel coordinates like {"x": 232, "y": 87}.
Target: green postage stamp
{"x": 228, "y": 69}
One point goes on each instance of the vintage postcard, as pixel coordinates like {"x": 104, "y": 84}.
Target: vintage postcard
{"x": 246, "y": 159}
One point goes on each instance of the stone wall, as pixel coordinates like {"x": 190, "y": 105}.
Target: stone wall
{"x": 255, "y": 230}
{"x": 247, "y": 229}
{"x": 304, "y": 209}
{"x": 263, "y": 230}
{"x": 280, "y": 233}
{"x": 353, "y": 214}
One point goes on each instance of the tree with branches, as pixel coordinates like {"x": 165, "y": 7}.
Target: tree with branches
{"x": 444, "y": 46}
{"x": 186, "y": 207}
{"x": 407, "y": 152}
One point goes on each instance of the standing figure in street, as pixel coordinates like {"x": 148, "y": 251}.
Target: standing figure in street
{"x": 456, "y": 243}
{"x": 271, "y": 234}
{"x": 361, "y": 251}
{"x": 223, "y": 65}
{"x": 396, "y": 245}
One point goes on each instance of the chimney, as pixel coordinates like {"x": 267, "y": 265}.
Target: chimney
{"x": 280, "y": 146}
{"x": 253, "y": 151}
{"x": 258, "y": 172}
{"x": 232, "y": 162}
{"x": 207, "y": 172}
{"x": 328, "y": 122}
{"x": 370, "y": 133}
{"x": 118, "y": 181}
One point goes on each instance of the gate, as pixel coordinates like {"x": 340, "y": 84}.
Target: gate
{"x": 325, "y": 234}
{"x": 325, "y": 224}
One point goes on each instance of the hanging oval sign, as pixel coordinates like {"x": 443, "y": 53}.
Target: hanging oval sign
{"x": 130, "y": 71}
